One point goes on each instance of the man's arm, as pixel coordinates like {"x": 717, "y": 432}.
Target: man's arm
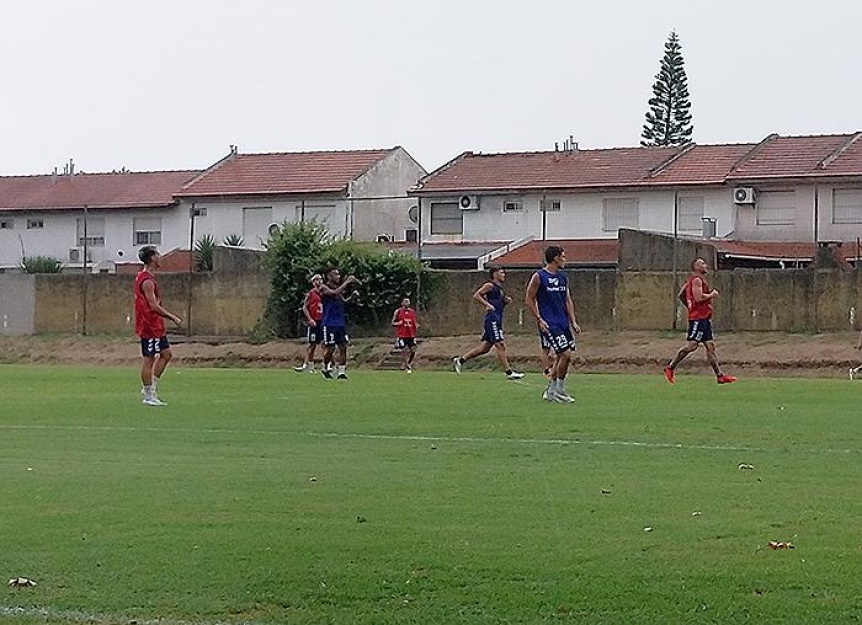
{"x": 698, "y": 293}
{"x": 326, "y": 290}
{"x": 480, "y": 294}
{"x": 570, "y": 311}
{"x": 149, "y": 290}
{"x": 308, "y": 318}
{"x": 531, "y": 300}
{"x": 395, "y": 320}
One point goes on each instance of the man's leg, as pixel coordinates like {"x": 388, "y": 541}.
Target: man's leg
{"x": 342, "y": 361}
{"x": 711, "y": 358}
{"x": 159, "y": 367}
{"x": 482, "y": 348}
{"x": 504, "y": 361}
{"x": 327, "y": 361}
{"x": 684, "y": 351}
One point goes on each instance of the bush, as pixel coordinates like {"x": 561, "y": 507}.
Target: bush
{"x": 300, "y": 250}
{"x": 41, "y": 264}
{"x": 204, "y": 252}
{"x": 233, "y": 240}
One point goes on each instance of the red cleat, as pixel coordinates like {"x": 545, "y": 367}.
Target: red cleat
{"x": 668, "y": 375}
{"x": 725, "y": 379}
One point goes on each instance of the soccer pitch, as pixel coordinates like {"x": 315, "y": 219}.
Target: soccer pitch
{"x": 266, "y": 496}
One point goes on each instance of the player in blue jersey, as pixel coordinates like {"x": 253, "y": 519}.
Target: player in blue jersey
{"x": 334, "y": 321}
{"x": 491, "y": 296}
{"x": 550, "y": 302}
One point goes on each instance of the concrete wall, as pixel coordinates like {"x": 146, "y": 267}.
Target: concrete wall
{"x": 647, "y": 251}
{"x": 17, "y": 304}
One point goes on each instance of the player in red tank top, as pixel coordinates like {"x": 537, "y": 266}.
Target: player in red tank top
{"x": 404, "y": 320}
{"x": 697, "y": 297}
{"x": 312, "y": 311}
{"x": 150, "y": 318}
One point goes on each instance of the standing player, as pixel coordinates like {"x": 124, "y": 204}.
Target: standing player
{"x": 150, "y": 325}
{"x": 697, "y": 298}
{"x": 404, "y": 320}
{"x": 550, "y": 302}
{"x": 854, "y": 371}
{"x": 312, "y": 308}
{"x": 335, "y": 322}
{"x": 491, "y": 296}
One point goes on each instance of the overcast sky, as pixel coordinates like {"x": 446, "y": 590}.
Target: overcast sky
{"x": 170, "y": 84}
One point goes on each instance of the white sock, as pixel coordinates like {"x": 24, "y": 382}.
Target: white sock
{"x": 149, "y": 391}
{"x": 155, "y": 383}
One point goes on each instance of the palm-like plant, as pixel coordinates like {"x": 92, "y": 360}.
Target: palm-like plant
{"x": 204, "y": 251}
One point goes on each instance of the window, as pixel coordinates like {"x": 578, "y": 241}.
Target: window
{"x": 549, "y": 205}
{"x": 95, "y": 232}
{"x": 35, "y": 224}
{"x": 199, "y": 211}
{"x": 619, "y": 213}
{"x": 512, "y": 205}
{"x": 255, "y": 224}
{"x": 446, "y": 218}
{"x": 320, "y": 213}
{"x": 147, "y": 231}
{"x": 847, "y": 206}
{"x": 776, "y": 208}
{"x": 411, "y": 235}
{"x": 7, "y": 224}
{"x": 690, "y": 216}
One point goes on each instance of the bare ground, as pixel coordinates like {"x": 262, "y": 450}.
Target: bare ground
{"x": 815, "y": 355}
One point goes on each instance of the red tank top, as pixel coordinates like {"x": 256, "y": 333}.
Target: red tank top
{"x": 697, "y": 311}
{"x": 314, "y": 305}
{"x": 148, "y": 324}
{"x": 407, "y": 329}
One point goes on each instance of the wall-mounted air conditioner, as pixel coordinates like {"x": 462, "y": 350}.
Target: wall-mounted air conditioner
{"x": 469, "y": 203}
{"x": 76, "y": 254}
{"x": 384, "y": 238}
{"x": 743, "y": 195}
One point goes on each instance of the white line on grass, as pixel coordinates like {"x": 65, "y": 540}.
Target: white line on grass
{"x": 426, "y": 438}
{"x": 76, "y": 616}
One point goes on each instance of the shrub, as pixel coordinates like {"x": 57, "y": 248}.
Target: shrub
{"x": 204, "y": 251}
{"x": 41, "y": 264}
{"x": 234, "y": 240}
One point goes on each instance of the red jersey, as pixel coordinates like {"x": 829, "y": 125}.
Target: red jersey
{"x": 697, "y": 311}
{"x": 148, "y": 323}
{"x": 314, "y": 305}
{"x": 407, "y": 328}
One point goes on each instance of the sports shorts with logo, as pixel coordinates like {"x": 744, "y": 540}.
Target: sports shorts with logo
{"x": 151, "y": 347}
{"x": 405, "y": 343}
{"x": 315, "y": 335}
{"x": 335, "y": 335}
{"x": 493, "y": 330}
{"x": 699, "y": 331}
{"x": 544, "y": 342}
{"x": 559, "y": 339}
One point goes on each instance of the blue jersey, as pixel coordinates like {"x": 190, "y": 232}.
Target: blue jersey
{"x": 497, "y": 299}
{"x": 551, "y": 298}
{"x": 333, "y": 311}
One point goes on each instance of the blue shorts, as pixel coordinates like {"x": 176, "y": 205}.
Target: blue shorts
{"x": 559, "y": 339}
{"x": 493, "y": 330}
{"x": 405, "y": 343}
{"x": 151, "y": 347}
{"x": 315, "y": 335}
{"x": 699, "y": 331}
{"x": 544, "y": 341}
{"x": 335, "y": 335}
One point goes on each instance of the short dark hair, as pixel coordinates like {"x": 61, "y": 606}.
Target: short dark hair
{"x": 492, "y": 271}
{"x": 146, "y": 253}
{"x": 551, "y": 252}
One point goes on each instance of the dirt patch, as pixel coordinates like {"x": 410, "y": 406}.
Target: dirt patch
{"x": 816, "y": 355}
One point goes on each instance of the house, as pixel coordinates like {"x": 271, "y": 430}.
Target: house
{"x": 358, "y": 194}
{"x": 45, "y": 216}
{"x": 790, "y": 189}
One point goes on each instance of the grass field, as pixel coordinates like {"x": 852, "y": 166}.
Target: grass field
{"x": 265, "y": 496}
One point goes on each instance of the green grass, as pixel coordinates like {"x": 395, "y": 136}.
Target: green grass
{"x": 266, "y": 496}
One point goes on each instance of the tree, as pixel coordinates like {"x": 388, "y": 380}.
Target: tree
{"x": 668, "y": 120}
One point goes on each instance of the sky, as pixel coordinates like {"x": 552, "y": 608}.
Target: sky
{"x": 172, "y": 84}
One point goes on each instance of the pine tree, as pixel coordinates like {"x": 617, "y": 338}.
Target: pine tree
{"x": 668, "y": 120}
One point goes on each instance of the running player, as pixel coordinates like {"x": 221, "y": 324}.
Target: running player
{"x": 312, "y": 309}
{"x": 335, "y": 322}
{"x": 404, "y": 320}
{"x": 697, "y": 298}
{"x": 491, "y": 296}
{"x": 550, "y": 302}
{"x": 150, "y": 318}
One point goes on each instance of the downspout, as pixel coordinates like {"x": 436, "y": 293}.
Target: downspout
{"x": 86, "y": 275}
{"x": 675, "y": 253}
{"x": 816, "y": 214}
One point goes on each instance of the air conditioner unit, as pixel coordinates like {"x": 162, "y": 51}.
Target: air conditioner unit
{"x": 743, "y": 195}
{"x": 469, "y": 203}
{"x": 77, "y": 253}
{"x": 384, "y": 238}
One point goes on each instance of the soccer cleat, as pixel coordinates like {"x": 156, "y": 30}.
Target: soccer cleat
{"x": 408, "y": 369}
{"x": 153, "y": 401}
{"x": 564, "y": 398}
{"x": 342, "y": 376}
{"x": 456, "y": 363}
{"x": 514, "y": 375}
{"x": 546, "y": 396}
{"x": 311, "y": 370}
{"x": 725, "y": 379}
{"x": 669, "y": 375}
{"x": 326, "y": 373}
{"x": 301, "y": 368}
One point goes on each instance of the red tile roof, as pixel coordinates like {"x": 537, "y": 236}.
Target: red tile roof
{"x": 774, "y": 157}
{"x": 578, "y": 252}
{"x": 546, "y": 170}
{"x": 286, "y": 172}
{"x": 114, "y": 190}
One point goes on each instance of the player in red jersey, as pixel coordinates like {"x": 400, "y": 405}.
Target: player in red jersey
{"x": 697, "y": 298}
{"x": 312, "y": 309}
{"x": 404, "y": 320}
{"x": 150, "y": 318}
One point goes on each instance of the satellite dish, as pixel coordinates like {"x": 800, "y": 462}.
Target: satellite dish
{"x": 273, "y": 229}
{"x": 413, "y": 213}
